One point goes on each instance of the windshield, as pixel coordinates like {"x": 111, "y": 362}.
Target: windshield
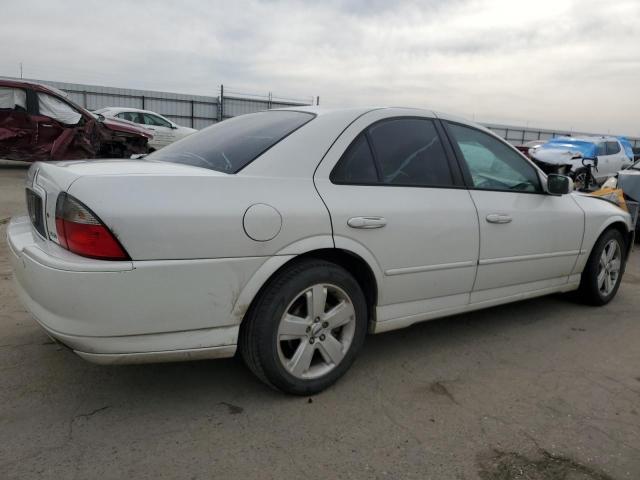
{"x": 230, "y": 145}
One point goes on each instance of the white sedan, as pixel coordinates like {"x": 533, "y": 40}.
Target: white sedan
{"x": 164, "y": 130}
{"x": 291, "y": 234}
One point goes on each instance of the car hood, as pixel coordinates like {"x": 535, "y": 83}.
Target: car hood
{"x": 554, "y": 156}
{"x": 125, "y": 126}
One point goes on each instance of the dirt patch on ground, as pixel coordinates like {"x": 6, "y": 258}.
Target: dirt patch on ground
{"x": 438, "y": 388}
{"x": 497, "y": 465}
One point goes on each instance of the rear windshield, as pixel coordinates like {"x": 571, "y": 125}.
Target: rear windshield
{"x": 230, "y": 145}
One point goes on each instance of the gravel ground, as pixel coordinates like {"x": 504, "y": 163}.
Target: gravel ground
{"x": 542, "y": 389}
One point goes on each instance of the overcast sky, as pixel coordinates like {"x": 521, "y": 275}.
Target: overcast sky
{"x": 558, "y": 64}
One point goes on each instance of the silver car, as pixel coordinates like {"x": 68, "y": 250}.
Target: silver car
{"x": 290, "y": 234}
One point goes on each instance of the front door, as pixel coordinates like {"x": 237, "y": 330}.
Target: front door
{"x": 529, "y": 240}
{"x": 395, "y": 199}
{"x": 163, "y": 134}
{"x": 611, "y": 159}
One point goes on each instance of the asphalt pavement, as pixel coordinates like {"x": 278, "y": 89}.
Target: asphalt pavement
{"x": 536, "y": 390}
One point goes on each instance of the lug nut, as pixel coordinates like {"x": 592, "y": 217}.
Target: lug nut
{"x": 316, "y": 320}
{"x": 308, "y": 329}
{"x": 322, "y": 337}
{"x": 325, "y": 324}
{"x": 312, "y": 340}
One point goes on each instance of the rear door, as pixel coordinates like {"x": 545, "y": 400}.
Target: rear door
{"x": 529, "y": 240}
{"x": 396, "y": 199}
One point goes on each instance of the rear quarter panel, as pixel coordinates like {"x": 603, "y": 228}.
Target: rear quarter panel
{"x": 162, "y": 217}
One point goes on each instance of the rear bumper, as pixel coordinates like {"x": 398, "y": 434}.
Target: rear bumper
{"x": 129, "y": 312}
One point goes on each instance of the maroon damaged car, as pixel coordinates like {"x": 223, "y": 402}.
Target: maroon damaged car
{"x": 38, "y": 122}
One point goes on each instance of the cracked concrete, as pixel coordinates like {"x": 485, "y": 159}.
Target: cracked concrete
{"x": 540, "y": 390}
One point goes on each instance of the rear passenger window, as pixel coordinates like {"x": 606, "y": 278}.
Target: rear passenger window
{"x": 612, "y": 148}
{"x": 131, "y": 116}
{"x": 409, "y": 152}
{"x": 400, "y": 151}
{"x": 356, "y": 165}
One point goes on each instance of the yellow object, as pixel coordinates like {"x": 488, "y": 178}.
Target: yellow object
{"x": 613, "y": 194}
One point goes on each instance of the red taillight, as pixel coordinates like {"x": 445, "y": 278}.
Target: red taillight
{"x": 81, "y": 231}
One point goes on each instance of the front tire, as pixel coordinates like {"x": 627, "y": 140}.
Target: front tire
{"x": 603, "y": 273}
{"x": 305, "y": 328}
{"x": 583, "y": 179}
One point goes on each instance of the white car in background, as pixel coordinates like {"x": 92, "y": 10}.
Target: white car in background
{"x": 289, "y": 234}
{"x": 567, "y": 156}
{"x": 164, "y": 130}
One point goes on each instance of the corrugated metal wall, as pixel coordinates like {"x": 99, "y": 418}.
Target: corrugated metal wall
{"x": 200, "y": 111}
{"x": 195, "y": 111}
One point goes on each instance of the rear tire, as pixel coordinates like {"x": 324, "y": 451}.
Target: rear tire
{"x": 304, "y": 330}
{"x": 603, "y": 272}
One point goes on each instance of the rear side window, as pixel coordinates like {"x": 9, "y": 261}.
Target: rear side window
{"x": 612, "y": 148}
{"x": 230, "y": 145}
{"x": 399, "y": 151}
{"x": 409, "y": 152}
{"x": 13, "y": 98}
{"x": 357, "y": 164}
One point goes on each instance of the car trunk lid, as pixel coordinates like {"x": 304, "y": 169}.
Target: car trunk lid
{"x": 45, "y": 181}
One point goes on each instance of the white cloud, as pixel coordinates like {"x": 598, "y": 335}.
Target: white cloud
{"x": 557, "y": 63}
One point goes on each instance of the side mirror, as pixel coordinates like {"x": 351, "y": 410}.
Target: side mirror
{"x": 559, "y": 184}
{"x": 174, "y": 127}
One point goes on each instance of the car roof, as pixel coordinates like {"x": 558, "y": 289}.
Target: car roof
{"x": 591, "y": 139}
{"x": 40, "y": 87}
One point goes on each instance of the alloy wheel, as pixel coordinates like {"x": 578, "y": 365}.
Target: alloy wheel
{"x": 609, "y": 267}
{"x": 316, "y": 331}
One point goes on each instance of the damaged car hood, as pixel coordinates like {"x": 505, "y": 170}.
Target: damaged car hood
{"x": 564, "y": 151}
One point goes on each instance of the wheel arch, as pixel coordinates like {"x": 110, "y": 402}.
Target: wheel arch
{"x": 350, "y": 261}
{"x": 617, "y": 223}
{"x": 620, "y": 225}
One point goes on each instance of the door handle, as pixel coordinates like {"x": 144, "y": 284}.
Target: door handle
{"x": 367, "y": 222}
{"x": 498, "y": 218}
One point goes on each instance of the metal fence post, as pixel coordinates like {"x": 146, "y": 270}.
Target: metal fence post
{"x": 221, "y": 104}
{"x": 143, "y": 102}
{"x": 192, "y": 122}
